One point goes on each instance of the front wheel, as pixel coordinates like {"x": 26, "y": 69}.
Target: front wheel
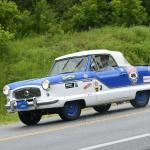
{"x": 70, "y": 111}
{"x": 30, "y": 117}
{"x": 102, "y": 108}
{"x": 141, "y": 99}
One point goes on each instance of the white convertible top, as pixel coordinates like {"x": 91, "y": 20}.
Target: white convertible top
{"x": 118, "y": 56}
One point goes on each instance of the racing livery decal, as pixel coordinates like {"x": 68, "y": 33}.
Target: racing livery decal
{"x": 97, "y": 86}
{"x": 87, "y": 86}
{"x": 69, "y": 85}
{"x": 132, "y": 72}
{"x": 146, "y": 79}
{"x": 68, "y": 77}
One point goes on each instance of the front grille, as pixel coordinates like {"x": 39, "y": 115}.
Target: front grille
{"x": 27, "y": 93}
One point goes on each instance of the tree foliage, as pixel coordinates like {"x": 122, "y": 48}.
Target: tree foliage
{"x": 128, "y": 12}
{"x": 87, "y": 14}
{"x": 146, "y": 4}
{"x": 8, "y": 15}
{"x": 43, "y": 17}
{"x": 62, "y": 6}
{"x": 5, "y": 36}
{"x": 25, "y": 4}
{"x": 13, "y": 20}
{"x": 24, "y": 17}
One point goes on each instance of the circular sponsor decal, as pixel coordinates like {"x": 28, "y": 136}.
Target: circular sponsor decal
{"x": 132, "y": 72}
{"x": 97, "y": 85}
{"x": 133, "y": 75}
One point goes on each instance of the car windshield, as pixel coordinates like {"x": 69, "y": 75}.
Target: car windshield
{"x": 69, "y": 65}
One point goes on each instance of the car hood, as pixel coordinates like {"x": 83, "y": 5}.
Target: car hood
{"x": 52, "y": 79}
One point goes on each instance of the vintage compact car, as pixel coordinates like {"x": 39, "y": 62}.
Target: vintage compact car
{"x": 94, "y": 78}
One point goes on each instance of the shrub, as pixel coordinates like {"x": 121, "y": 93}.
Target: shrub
{"x": 43, "y": 17}
{"x": 5, "y": 36}
{"x": 87, "y": 14}
{"x": 146, "y": 4}
{"x": 128, "y": 12}
{"x": 8, "y": 14}
{"x": 24, "y": 24}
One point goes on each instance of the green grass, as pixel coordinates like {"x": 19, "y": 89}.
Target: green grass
{"x": 32, "y": 57}
{"x": 8, "y": 118}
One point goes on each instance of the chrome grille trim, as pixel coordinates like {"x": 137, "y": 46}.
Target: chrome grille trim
{"x": 27, "y": 93}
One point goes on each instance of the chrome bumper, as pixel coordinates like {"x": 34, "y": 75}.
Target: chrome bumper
{"x": 12, "y": 107}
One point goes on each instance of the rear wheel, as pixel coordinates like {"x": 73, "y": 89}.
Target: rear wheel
{"x": 30, "y": 117}
{"x": 102, "y": 108}
{"x": 141, "y": 99}
{"x": 70, "y": 111}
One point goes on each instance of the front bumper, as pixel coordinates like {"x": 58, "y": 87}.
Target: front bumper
{"x": 12, "y": 107}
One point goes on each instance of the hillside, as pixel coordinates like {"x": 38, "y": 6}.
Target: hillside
{"x": 31, "y": 57}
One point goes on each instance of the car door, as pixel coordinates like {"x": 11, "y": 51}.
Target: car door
{"x": 111, "y": 75}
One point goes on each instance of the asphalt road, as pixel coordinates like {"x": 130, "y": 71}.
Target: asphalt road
{"x": 122, "y": 128}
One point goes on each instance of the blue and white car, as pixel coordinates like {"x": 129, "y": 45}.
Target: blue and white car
{"x": 94, "y": 78}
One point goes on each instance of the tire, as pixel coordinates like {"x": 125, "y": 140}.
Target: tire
{"x": 141, "y": 99}
{"x": 70, "y": 111}
{"x": 30, "y": 117}
{"x": 102, "y": 108}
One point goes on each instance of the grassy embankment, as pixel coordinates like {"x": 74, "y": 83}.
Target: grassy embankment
{"x": 32, "y": 57}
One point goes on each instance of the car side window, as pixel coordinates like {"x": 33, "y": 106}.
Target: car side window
{"x": 94, "y": 66}
{"x": 102, "y": 62}
{"x": 112, "y": 62}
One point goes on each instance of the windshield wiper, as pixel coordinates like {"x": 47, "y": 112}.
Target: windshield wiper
{"x": 78, "y": 63}
{"x": 65, "y": 65}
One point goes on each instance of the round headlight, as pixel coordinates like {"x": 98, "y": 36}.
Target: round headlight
{"x": 45, "y": 85}
{"x": 6, "y": 90}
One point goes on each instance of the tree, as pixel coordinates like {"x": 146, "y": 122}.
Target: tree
{"x": 146, "y": 4}
{"x": 24, "y": 24}
{"x": 25, "y": 4}
{"x": 62, "y": 6}
{"x": 8, "y": 14}
{"x": 87, "y": 14}
{"x": 43, "y": 17}
{"x": 5, "y": 36}
{"x": 128, "y": 12}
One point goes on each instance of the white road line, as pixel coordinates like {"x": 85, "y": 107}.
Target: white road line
{"x": 116, "y": 142}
